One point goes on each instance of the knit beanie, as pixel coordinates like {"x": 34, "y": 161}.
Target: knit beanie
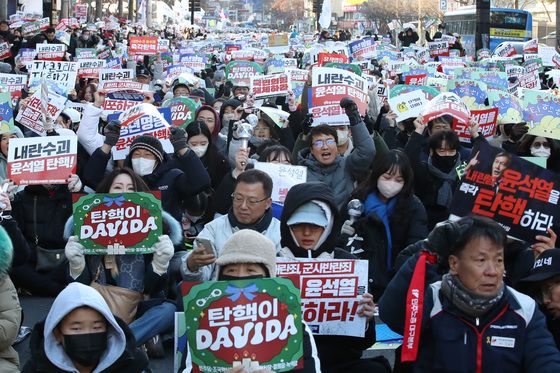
{"x": 149, "y": 143}
{"x": 249, "y": 246}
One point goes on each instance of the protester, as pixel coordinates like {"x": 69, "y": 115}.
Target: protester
{"x": 538, "y": 146}
{"x": 408, "y": 37}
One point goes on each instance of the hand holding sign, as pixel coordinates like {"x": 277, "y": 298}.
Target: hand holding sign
{"x": 162, "y": 254}
{"x": 112, "y": 133}
{"x": 74, "y": 252}
{"x": 367, "y": 307}
{"x": 178, "y": 139}
{"x": 544, "y": 242}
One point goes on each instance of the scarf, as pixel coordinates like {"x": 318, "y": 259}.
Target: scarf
{"x": 466, "y": 301}
{"x": 260, "y": 225}
{"x": 445, "y": 191}
{"x": 375, "y": 205}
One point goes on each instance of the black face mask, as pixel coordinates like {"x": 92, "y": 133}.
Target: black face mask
{"x": 85, "y": 349}
{"x": 444, "y": 163}
{"x": 223, "y": 277}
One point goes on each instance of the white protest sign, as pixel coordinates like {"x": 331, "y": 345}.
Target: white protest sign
{"x": 284, "y": 177}
{"x": 115, "y": 74}
{"x": 62, "y": 73}
{"x": 408, "y": 105}
{"x": 31, "y": 115}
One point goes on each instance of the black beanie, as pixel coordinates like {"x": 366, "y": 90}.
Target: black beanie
{"x": 149, "y": 143}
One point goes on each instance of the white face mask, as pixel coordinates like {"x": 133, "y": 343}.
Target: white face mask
{"x": 342, "y": 137}
{"x": 143, "y": 166}
{"x": 228, "y": 117}
{"x": 389, "y": 188}
{"x": 199, "y": 150}
{"x": 540, "y": 152}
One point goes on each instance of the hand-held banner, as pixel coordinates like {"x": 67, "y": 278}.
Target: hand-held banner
{"x": 255, "y": 323}
{"x": 118, "y": 223}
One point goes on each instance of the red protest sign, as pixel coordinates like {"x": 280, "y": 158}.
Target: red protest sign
{"x": 420, "y": 79}
{"x": 438, "y": 48}
{"x": 51, "y": 52}
{"x": 487, "y": 123}
{"x": 5, "y": 51}
{"x": 143, "y": 45}
{"x": 331, "y": 57}
{"x": 42, "y": 160}
{"x": 446, "y": 103}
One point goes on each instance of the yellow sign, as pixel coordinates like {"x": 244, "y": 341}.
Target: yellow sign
{"x": 278, "y": 40}
{"x": 508, "y": 33}
{"x": 352, "y": 2}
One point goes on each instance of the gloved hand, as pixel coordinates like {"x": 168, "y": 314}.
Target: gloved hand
{"x": 228, "y": 88}
{"x": 49, "y": 123}
{"x": 74, "y": 252}
{"x": 444, "y": 236}
{"x": 178, "y": 138}
{"x": 112, "y": 132}
{"x": 347, "y": 228}
{"x": 162, "y": 255}
{"x": 351, "y": 110}
{"x": 307, "y": 123}
{"x": 74, "y": 183}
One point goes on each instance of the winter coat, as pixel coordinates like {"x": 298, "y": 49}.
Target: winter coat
{"x": 330, "y": 351}
{"x": 407, "y": 223}
{"x": 510, "y": 337}
{"x": 406, "y": 39}
{"x": 344, "y": 171}
{"x": 4, "y": 160}
{"x": 174, "y": 184}
{"x": 10, "y": 314}
{"x": 218, "y": 231}
{"x": 48, "y": 356}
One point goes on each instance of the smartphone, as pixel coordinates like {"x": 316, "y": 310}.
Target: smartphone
{"x": 206, "y": 243}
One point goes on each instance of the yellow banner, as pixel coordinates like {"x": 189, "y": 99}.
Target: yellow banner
{"x": 508, "y": 33}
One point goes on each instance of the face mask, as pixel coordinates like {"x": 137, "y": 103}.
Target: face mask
{"x": 229, "y": 117}
{"x": 85, "y": 37}
{"x": 444, "y": 163}
{"x": 342, "y": 137}
{"x": 143, "y": 166}
{"x": 389, "y": 188}
{"x": 540, "y": 152}
{"x": 85, "y": 349}
{"x": 230, "y": 278}
{"x": 257, "y": 141}
{"x": 199, "y": 150}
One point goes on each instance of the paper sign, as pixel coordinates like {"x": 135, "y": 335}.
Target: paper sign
{"x": 446, "y": 104}
{"x": 265, "y": 86}
{"x": 284, "y": 177}
{"x": 194, "y": 61}
{"x": 6, "y": 113}
{"x": 183, "y": 110}
{"x": 63, "y": 74}
{"x": 505, "y": 50}
{"x": 362, "y": 49}
{"x": 31, "y": 116}
{"x": 221, "y": 315}
{"x": 542, "y": 113}
{"x": 241, "y": 72}
{"x": 90, "y": 68}
{"x": 438, "y": 48}
{"x": 531, "y": 46}
{"x": 42, "y": 160}
{"x": 331, "y": 57}
{"x": 86, "y": 53}
{"x": 408, "y": 105}
{"x": 116, "y": 75}
{"x": 5, "y": 51}
{"x": 472, "y": 92}
{"x": 143, "y": 45}
{"x": 50, "y": 52}
{"x": 487, "y": 121}
{"x": 330, "y": 292}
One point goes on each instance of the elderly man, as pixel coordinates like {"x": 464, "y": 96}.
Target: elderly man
{"x": 251, "y": 210}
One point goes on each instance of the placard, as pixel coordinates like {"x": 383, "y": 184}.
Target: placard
{"x": 31, "y": 116}
{"x": 90, "y": 68}
{"x": 265, "y": 86}
{"x": 50, "y": 52}
{"x": 542, "y": 113}
{"x": 446, "y": 103}
{"x": 241, "y": 72}
{"x": 42, "y": 160}
{"x": 61, "y": 73}
{"x": 284, "y": 177}
{"x": 330, "y": 292}
{"x": 143, "y": 45}
{"x": 408, "y": 105}
{"x": 183, "y": 110}
{"x": 325, "y": 58}
{"x": 362, "y": 49}
{"x": 438, "y": 48}
{"x": 6, "y": 113}
{"x": 116, "y": 75}
{"x": 487, "y": 120}
{"x": 221, "y": 315}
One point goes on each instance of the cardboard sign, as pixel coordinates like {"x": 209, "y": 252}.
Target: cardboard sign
{"x": 117, "y": 223}
{"x": 329, "y": 86}
{"x": 522, "y": 197}
{"x": 472, "y": 92}
{"x": 298, "y": 78}
{"x": 242, "y": 55}
{"x": 241, "y": 72}
{"x": 50, "y": 52}
{"x": 143, "y": 45}
{"x": 63, "y": 74}
{"x": 362, "y": 49}
{"x": 284, "y": 177}
{"x": 13, "y": 83}
{"x": 142, "y": 119}
{"x": 408, "y": 105}
{"x": 255, "y": 323}
{"x": 183, "y": 110}
{"x": 42, "y": 160}
{"x": 438, "y": 48}
{"x": 509, "y": 107}
{"x": 487, "y": 120}
{"x": 420, "y": 79}
{"x": 265, "y": 86}
{"x": 446, "y": 103}
{"x": 5, "y": 51}
{"x": 194, "y": 61}
{"x": 531, "y": 46}
{"x": 325, "y": 58}
{"x": 90, "y": 68}
{"x": 542, "y": 113}
{"x": 86, "y": 53}
{"x": 116, "y": 75}
{"x": 505, "y": 50}
{"x": 31, "y": 116}
{"x": 330, "y": 292}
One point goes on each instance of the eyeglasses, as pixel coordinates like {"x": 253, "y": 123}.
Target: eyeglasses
{"x": 538, "y": 145}
{"x": 321, "y": 143}
{"x": 251, "y": 201}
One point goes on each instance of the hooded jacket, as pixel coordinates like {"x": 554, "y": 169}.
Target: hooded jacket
{"x": 333, "y": 357}
{"x": 3, "y": 159}
{"x": 10, "y": 309}
{"x": 48, "y": 355}
{"x": 216, "y": 140}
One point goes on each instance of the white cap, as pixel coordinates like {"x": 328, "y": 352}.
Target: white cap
{"x": 73, "y": 114}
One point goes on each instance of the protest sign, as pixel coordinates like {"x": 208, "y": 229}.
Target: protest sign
{"x": 30, "y": 28}
{"x": 6, "y": 113}
{"x": 90, "y": 68}
{"x": 329, "y": 86}
{"x": 5, "y": 51}
{"x": 298, "y": 78}
{"x": 508, "y": 106}
{"x": 50, "y": 52}
{"x": 81, "y": 10}
{"x": 362, "y": 49}
{"x": 241, "y": 72}
{"x": 115, "y": 74}
{"x": 408, "y": 105}
{"x": 117, "y": 223}
{"x": 42, "y": 160}
{"x": 13, "y": 83}
{"x": 195, "y": 61}
{"x": 492, "y": 79}
{"x": 399, "y": 89}
{"x": 183, "y": 110}
{"x": 446, "y": 103}
{"x": 62, "y": 74}
{"x": 284, "y": 177}
{"x": 487, "y": 121}
{"x": 353, "y": 68}
{"x": 31, "y": 115}
{"x": 143, "y": 45}
{"x": 546, "y": 53}
{"x": 163, "y": 45}
{"x": 531, "y": 46}
{"x": 142, "y": 119}
{"x": 221, "y": 315}
{"x": 520, "y": 196}
{"x": 472, "y": 92}
{"x": 420, "y": 79}
{"x": 438, "y": 48}
{"x": 265, "y": 86}
{"x": 330, "y": 292}
{"x": 242, "y": 55}
{"x": 505, "y": 50}
{"x": 542, "y": 113}
{"x": 78, "y": 106}
{"x": 86, "y": 53}
{"x": 331, "y": 57}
